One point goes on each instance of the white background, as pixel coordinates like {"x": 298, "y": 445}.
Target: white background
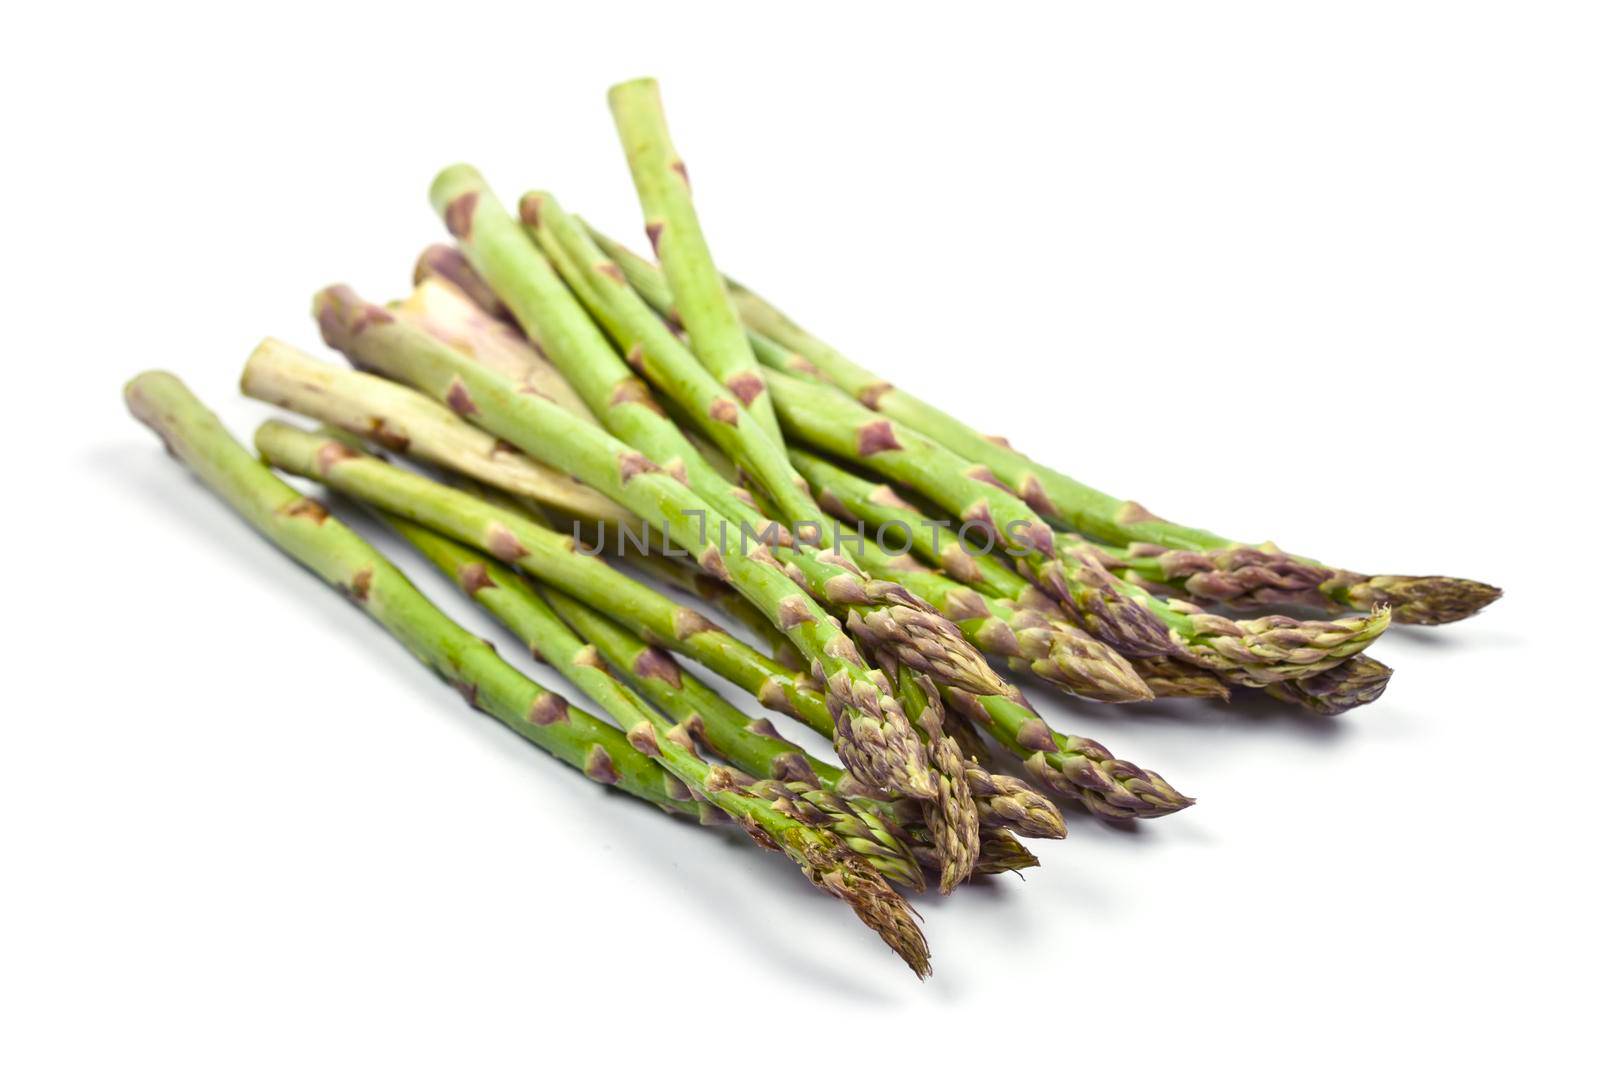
{"x": 1320, "y": 273}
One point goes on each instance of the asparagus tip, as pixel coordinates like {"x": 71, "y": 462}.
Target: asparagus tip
{"x": 1358, "y": 680}
{"x": 1430, "y": 600}
{"x": 852, "y": 880}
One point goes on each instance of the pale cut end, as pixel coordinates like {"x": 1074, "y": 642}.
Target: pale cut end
{"x": 449, "y": 265}
{"x": 342, "y": 314}
{"x": 1424, "y": 601}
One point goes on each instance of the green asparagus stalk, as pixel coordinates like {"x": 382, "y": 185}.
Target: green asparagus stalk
{"x": 872, "y": 734}
{"x": 401, "y": 420}
{"x": 876, "y": 610}
{"x": 876, "y": 504}
{"x": 670, "y": 222}
{"x": 550, "y": 557}
{"x": 655, "y": 351}
{"x": 506, "y": 596}
{"x": 754, "y": 745}
{"x": 911, "y": 630}
{"x": 767, "y": 680}
{"x": 1002, "y": 801}
{"x": 305, "y": 531}
{"x": 495, "y": 244}
{"x": 997, "y": 609}
{"x": 1209, "y": 567}
{"x": 1253, "y": 652}
{"x": 719, "y": 595}
{"x": 1036, "y": 629}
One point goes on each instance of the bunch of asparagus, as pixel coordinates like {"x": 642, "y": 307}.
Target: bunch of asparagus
{"x": 575, "y": 419}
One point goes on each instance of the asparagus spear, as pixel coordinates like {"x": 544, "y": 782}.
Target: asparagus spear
{"x": 305, "y": 531}
{"x": 1210, "y": 567}
{"x": 1035, "y": 629}
{"x": 359, "y": 330}
{"x": 399, "y": 419}
{"x": 506, "y": 596}
{"x": 720, "y": 595}
{"x": 1253, "y": 652}
{"x": 460, "y": 515}
{"x": 550, "y": 557}
{"x": 1001, "y": 799}
{"x": 1207, "y": 566}
{"x": 997, "y": 609}
{"x": 655, "y": 351}
{"x": 754, "y": 745}
{"x": 956, "y": 842}
{"x": 1119, "y": 612}
{"x": 952, "y": 824}
{"x": 1358, "y": 680}
{"x": 872, "y": 734}
{"x": 876, "y": 504}
{"x": 528, "y": 283}
{"x": 670, "y": 222}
